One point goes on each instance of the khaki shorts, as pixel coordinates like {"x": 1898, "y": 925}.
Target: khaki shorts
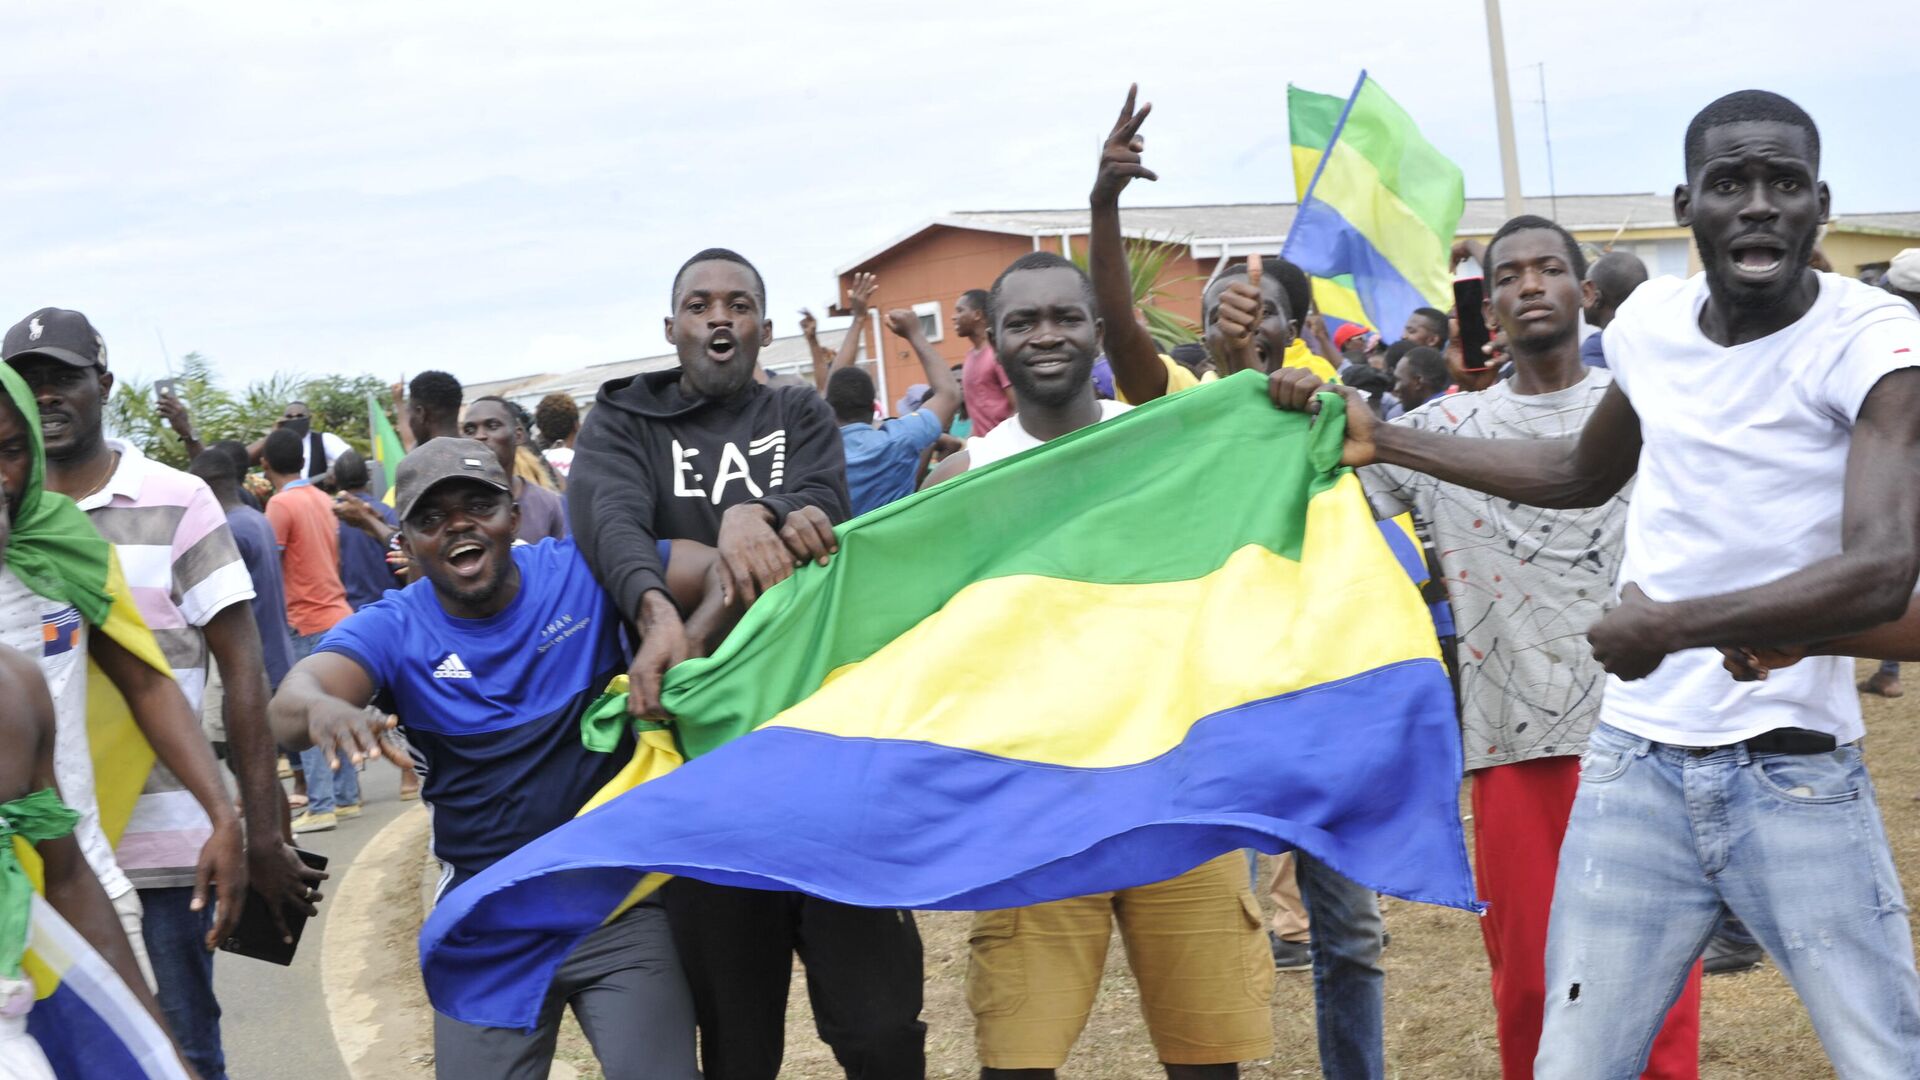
{"x": 1196, "y": 946}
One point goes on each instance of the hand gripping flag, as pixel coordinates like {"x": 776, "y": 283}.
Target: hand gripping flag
{"x": 1378, "y": 212}
{"x": 1092, "y": 666}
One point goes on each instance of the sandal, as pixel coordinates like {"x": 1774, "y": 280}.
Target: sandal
{"x": 296, "y": 802}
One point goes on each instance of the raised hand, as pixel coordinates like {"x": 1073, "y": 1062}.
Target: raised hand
{"x": 903, "y": 322}
{"x": 861, "y": 294}
{"x": 808, "y": 324}
{"x": 1120, "y": 154}
{"x": 174, "y": 412}
{"x": 1238, "y": 312}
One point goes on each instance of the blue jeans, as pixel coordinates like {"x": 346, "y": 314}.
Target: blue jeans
{"x": 327, "y": 789}
{"x": 1349, "y": 987}
{"x": 183, "y": 968}
{"x": 1662, "y": 838}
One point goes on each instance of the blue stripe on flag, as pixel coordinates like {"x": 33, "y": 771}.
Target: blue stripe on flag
{"x": 1323, "y": 244}
{"x": 92, "y": 1026}
{"x": 1364, "y": 772}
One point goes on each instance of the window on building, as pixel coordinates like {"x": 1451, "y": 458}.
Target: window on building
{"x": 929, "y": 314}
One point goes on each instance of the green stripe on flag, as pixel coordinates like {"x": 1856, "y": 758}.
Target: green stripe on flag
{"x": 386, "y": 448}
{"x": 1311, "y": 119}
{"x": 1430, "y": 186}
{"x": 1220, "y": 453}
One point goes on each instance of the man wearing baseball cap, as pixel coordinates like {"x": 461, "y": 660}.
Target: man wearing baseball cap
{"x": 193, "y": 590}
{"x": 489, "y": 661}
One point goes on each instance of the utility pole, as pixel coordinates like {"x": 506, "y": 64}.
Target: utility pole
{"x": 1503, "y": 111}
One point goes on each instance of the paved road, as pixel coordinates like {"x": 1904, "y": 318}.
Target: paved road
{"x": 275, "y": 1023}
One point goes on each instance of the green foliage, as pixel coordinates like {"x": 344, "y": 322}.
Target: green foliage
{"x": 339, "y": 404}
{"x": 1147, "y": 261}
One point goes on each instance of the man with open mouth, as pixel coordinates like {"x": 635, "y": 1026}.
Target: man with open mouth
{"x": 703, "y": 452}
{"x": 491, "y": 660}
{"x": 1769, "y": 416}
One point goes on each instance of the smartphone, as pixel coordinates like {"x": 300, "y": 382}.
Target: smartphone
{"x": 165, "y": 388}
{"x": 256, "y": 935}
{"x": 1469, "y": 296}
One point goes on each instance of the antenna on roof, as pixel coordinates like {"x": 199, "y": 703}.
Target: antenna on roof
{"x": 1553, "y": 195}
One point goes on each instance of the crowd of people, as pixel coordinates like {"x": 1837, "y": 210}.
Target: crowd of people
{"x": 1659, "y": 515}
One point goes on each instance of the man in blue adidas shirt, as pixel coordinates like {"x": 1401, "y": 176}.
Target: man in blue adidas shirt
{"x": 490, "y": 661}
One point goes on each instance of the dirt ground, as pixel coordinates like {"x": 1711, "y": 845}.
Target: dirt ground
{"x": 1439, "y": 1013}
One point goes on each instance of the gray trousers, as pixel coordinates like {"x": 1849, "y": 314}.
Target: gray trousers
{"x": 627, "y": 990}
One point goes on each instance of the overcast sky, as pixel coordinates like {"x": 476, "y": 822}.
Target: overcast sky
{"x": 502, "y": 188}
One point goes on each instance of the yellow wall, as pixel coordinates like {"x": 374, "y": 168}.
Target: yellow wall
{"x": 1848, "y": 251}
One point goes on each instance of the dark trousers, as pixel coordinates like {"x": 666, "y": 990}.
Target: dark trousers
{"x": 183, "y": 968}
{"x": 863, "y": 977}
{"x": 625, "y": 988}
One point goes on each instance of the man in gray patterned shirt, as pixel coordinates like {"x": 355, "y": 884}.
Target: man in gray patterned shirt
{"x": 1525, "y": 583}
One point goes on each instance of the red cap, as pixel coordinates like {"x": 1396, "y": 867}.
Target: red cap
{"x": 1347, "y": 333}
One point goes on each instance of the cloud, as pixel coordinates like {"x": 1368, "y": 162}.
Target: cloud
{"x": 485, "y": 187}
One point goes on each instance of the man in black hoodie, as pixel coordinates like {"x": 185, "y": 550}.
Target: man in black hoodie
{"x": 704, "y": 453}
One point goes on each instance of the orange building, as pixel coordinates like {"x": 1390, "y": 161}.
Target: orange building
{"x": 928, "y": 267}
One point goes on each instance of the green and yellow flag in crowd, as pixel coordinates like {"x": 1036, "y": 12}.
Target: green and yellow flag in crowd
{"x": 386, "y": 448}
{"x": 1378, "y": 207}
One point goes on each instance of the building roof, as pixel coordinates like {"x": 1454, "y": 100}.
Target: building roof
{"x": 783, "y": 354}
{"x": 1211, "y": 229}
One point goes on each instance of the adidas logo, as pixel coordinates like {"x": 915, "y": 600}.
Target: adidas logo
{"x": 452, "y": 668}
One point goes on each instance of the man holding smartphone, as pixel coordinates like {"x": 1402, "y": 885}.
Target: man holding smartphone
{"x": 1523, "y": 582}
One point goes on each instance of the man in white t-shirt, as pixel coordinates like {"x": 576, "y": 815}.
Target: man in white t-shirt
{"x": 1773, "y": 414}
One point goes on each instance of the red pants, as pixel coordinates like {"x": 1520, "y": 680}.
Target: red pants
{"x": 1520, "y": 816}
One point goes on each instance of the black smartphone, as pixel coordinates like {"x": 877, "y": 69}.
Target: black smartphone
{"x": 257, "y": 936}
{"x": 1469, "y": 294}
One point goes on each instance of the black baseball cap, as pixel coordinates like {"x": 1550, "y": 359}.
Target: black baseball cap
{"x": 57, "y": 333}
{"x": 437, "y": 461}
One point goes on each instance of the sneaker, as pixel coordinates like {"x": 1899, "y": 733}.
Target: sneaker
{"x": 1725, "y": 956}
{"x": 347, "y": 810}
{"x": 1290, "y": 955}
{"x": 307, "y": 823}
{"x": 1883, "y": 685}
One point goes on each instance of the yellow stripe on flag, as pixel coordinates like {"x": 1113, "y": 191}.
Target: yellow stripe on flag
{"x": 1365, "y": 611}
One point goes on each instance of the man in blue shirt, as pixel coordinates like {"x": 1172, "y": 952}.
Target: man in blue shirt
{"x": 490, "y": 661}
{"x": 883, "y": 459}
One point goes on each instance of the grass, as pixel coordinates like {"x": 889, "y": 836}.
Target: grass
{"x": 1439, "y": 1013}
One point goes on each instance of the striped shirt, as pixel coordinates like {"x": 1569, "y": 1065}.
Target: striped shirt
{"x": 182, "y": 568}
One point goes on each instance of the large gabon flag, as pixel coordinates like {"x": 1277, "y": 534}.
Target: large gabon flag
{"x": 1091, "y": 666}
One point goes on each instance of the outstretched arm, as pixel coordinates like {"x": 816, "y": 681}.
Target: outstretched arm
{"x": 323, "y": 702}
{"x": 1138, "y": 373}
{"x": 1554, "y": 473}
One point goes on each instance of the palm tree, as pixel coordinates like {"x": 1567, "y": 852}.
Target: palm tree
{"x": 1147, "y": 260}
